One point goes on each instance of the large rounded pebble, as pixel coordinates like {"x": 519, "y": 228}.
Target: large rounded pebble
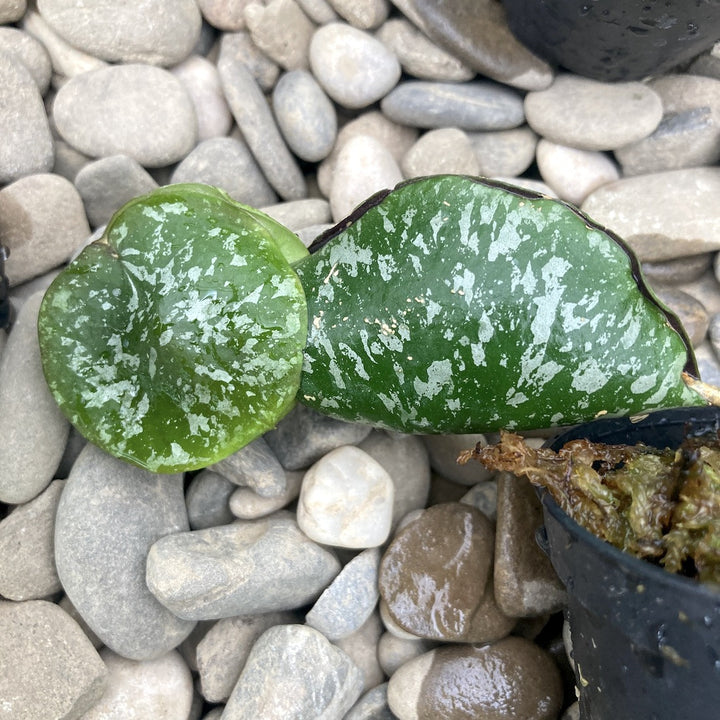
{"x": 681, "y": 270}
{"x": 305, "y": 115}
{"x": 446, "y": 150}
{"x": 158, "y": 688}
{"x": 227, "y": 163}
{"x": 12, "y": 10}
{"x": 224, "y": 14}
{"x": 394, "y": 651}
{"x": 363, "y": 167}
{"x": 239, "y": 569}
{"x": 42, "y": 221}
{"x": 49, "y": 668}
{"x": 223, "y": 651}
{"x": 27, "y": 145}
{"x": 246, "y": 504}
{"x": 662, "y": 215}
{"x": 239, "y": 47}
{"x": 298, "y": 214}
{"x": 346, "y": 500}
{"x": 30, "y": 52}
{"x": 275, "y": 683}
{"x": 361, "y": 648}
{"x": 593, "y": 115}
{"x": 109, "y": 515}
{"x": 373, "y": 705}
{"x": 477, "y": 32}
{"x": 444, "y": 451}
{"x": 107, "y": 184}
{"x": 434, "y": 576}
{"x": 419, "y": 56}
{"x": 254, "y": 466}
{"x": 573, "y": 173}
{"x": 353, "y": 67}
{"x": 504, "y": 152}
{"x": 207, "y": 499}
{"x": 27, "y": 561}
{"x": 690, "y": 310}
{"x": 136, "y": 110}
{"x": 349, "y": 600}
{"x": 475, "y": 105}
{"x": 159, "y": 32}
{"x": 510, "y": 679}
{"x": 32, "y": 428}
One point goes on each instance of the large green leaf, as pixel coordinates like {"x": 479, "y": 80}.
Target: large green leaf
{"x": 457, "y": 305}
{"x": 177, "y": 338}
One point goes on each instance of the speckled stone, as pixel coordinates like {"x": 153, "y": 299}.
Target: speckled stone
{"x": 692, "y": 312}
{"x": 504, "y": 152}
{"x": 30, "y": 52}
{"x": 445, "y": 150}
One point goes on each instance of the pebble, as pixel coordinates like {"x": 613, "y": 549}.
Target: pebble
{"x": 226, "y": 15}
{"x": 319, "y": 11}
{"x": 30, "y": 52}
{"x": 707, "y": 360}
{"x": 275, "y": 683}
{"x": 477, "y": 32}
{"x": 394, "y": 651}
{"x": 298, "y": 214}
{"x": 226, "y": 163}
{"x": 354, "y": 68}
{"x": 138, "y": 690}
{"x": 246, "y": 504}
{"x": 474, "y": 105}
{"x": 346, "y": 500}
{"x": 692, "y": 312}
{"x": 361, "y": 648}
{"x": 107, "y": 184}
{"x": 254, "y": 466}
{"x": 33, "y": 429}
{"x": 680, "y": 270}
{"x": 305, "y": 115}
{"x": 27, "y": 562}
{"x": 531, "y": 686}
{"x": 445, "y": 150}
{"x": 680, "y": 92}
{"x": 68, "y": 161}
{"x": 207, "y": 499}
{"x": 243, "y": 568}
{"x": 309, "y": 234}
{"x": 662, "y": 215}
{"x": 50, "y": 668}
{"x": 136, "y": 110}
{"x": 373, "y": 705}
{"x": 363, "y": 167}
{"x": 27, "y": 145}
{"x": 260, "y": 131}
{"x": 443, "y": 451}
{"x": 504, "y": 152}
{"x": 239, "y": 48}
{"x": 593, "y": 115}
{"x": 158, "y": 32}
{"x": 573, "y": 173}
{"x": 706, "y": 287}
{"x": 435, "y": 576}
{"x": 419, "y": 56}
{"x": 109, "y": 515}
{"x": 362, "y": 14}
{"x": 12, "y": 10}
{"x": 483, "y": 496}
{"x": 223, "y": 651}
{"x": 201, "y": 80}
{"x": 349, "y": 600}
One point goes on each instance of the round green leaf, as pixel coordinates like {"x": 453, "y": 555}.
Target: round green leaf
{"x": 177, "y": 338}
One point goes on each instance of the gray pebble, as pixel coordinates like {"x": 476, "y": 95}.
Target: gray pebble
{"x": 394, "y": 651}
{"x": 298, "y": 214}
{"x": 27, "y": 145}
{"x": 483, "y": 496}
{"x": 207, "y": 499}
{"x": 361, "y": 648}
{"x": 246, "y": 504}
{"x": 354, "y": 68}
{"x": 50, "y": 669}
{"x": 692, "y": 312}
{"x": 707, "y": 289}
{"x": 311, "y": 232}
{"x": 444, "y": 451}
{"x": 714, "y": 334}
{"x": 475, "y": 105}
{"x": 33, "y": 429}
{"x": 680, "y": 270}
{"x": 136, "y": 110}
{"x": 362, "y": 14}
{"x": 30, "y": 52}
{"x": 504, "y": 152}
{"x": 226, "y": 15}
{"x": 445, "y": 150}
{"x": 319, "y": 11}
{"x": 706, "y": 64}
{"x": 109, "y": 515}
{"x": 275, "y": 683}
{"x": 159, "y": 32}
{"x": 107, "y": 184}
{"x": 227, "y": 163}
{"x": 12, "y": 10}
{"x": 69, "y": 608}
{"x": 707, "y": 357}
{"x": 244, "y": 568}
{"x": 305, "y": 115}
{"x": 239, "y": 47}
{"x": 68, "y": 160}
{"x": 254, "y": 466}
{"x": 372, "y": 705}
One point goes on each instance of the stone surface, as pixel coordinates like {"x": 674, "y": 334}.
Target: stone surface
{"x": 444, "y": 450}
{"x": 394, "y": 651}
{"x": 12, "y": 10}
{"x": 531, "y": 686}
{"x": 226, "y": 15}
{"x": 593, "y": 115}
{"x": 361, "y": 648}
{"x": 30, "y": 52}
{"x": 68, "y": 160}
{"x": 474, "y": 105}
{"x": 445, "y": 150}
{"x": 110, "y": 513}
{"x": 50, "y": 669}
{"x": 504, "y": 152}
{"x": 298, "y": 214}
{"x": 680, "y": 270}
{"x": 373, "y": 705}
{"x": 244, "y": 568}
{"x": 207, "y": 499}
{"x": 33, "y": 429}
{"x": 159, "y": 32}
{"x": 246, "y": 504}
{"x": 239, "y": 47}
{"x": 354, "y": 68}
{"x": 27, "y": 145}
{"x": 136, "y": 110}
{"x": 346, "y": 500}
{"x": 662, "y": 215}
{"x": 362, "y": 14}
{"x": 692, "y": 313}
{"x": 483, "y": 496}
{"x": 319, "y": 11}
{"x": 254, "y": 466}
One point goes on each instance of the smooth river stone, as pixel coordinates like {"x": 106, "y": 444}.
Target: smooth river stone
{"x": 254, "y": 466}
{"x": 441, "y": 151}
{"x": 30, "y": 52}
{"x": 109, "y": 515}
{"x": 662, "y": 215}
{"x": 136, "y": 110}
{"x": 504, "y": 152}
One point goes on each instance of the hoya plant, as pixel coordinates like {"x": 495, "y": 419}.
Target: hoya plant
{"x": 449, "y": 304}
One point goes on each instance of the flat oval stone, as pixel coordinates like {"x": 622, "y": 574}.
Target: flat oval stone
{"x": 254, "y": 466}
{"x": 246, "y": 504}
{"x": 30, "y": 52}
{"x": 593, "y": 115}
{"x": 239, "y": 47}
{"x": 109, "y": 515}
{"x": 504, "y": 152}
{"x": 159, "y": 32}
{"x": 136, "y": 110}
{"x": 474, "y": 105}
{"x": 445, "y": 150}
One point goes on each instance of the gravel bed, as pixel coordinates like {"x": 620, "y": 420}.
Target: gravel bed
{"x": 328, "y": 570}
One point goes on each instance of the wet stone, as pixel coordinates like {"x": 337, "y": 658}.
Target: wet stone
{"x": 504, "y": 152}
{"x": 30, "y": 52}
{"x": 246, "y": 504}
{"x": 207, "y": 499}
{"x": 680, "y": 270}
{"x": 692, "y": 313}
{"x": 445, "y": 150}
{"x": 254, "y": 466}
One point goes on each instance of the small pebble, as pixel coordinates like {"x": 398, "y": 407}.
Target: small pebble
{"x": 445, "y": 150}
{"x": 68, "y": 160}
{"x": 692, "y": 313}
{"x": 254, "y": 466}
{"x": 504, "y": 152}
{"x": 228, "y": 15}
{"x": 12, "y": 10}
{"x": 30, "y": 52}
{"x": 444, "y": 451}
{"x": 394, "y": 651}
{"x": 362, "y": 14}
{"x": 319, "y": 11}
{"x": 707, "y": 357}
{"x": 680, "y": 270}
{"x": 207, "y": 498}
{"x": 361, "y": 648}
{"x": 298, "y": 214}
{"x": 483, "y": 496}
{"x": 239, "y": 47}
{"x": 246, "y": 504}
{"x": 373, "y": 705}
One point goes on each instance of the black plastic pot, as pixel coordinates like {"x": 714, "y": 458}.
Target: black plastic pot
{"x": 615, "y": 39}
{"x": 646, "y": 642}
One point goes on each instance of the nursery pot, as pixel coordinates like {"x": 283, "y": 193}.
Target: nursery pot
{"x": 615, "y": 39}
{"x": 645, "y": 642}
